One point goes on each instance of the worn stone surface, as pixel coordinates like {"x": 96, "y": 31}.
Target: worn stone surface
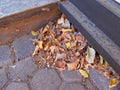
{"x": 23, "y": 69}
{"x": 5, "y": 53}
{"x": 17, "y": 86}
{"x": 8, "y": 7}
{"x": 99, "y": 79}
{"x": 23, "y": 47}
{"x": 116, "y": 87}
{"x": 45, "y": 79}
{"x": 3, "y": 78}
{"x": 71, "y": 76}
{"x": 89, "y": 85}
{"x": 72, "y": 86}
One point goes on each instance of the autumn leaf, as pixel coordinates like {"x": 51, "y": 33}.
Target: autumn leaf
{"x": 73, "y": 66}
{"x": 68, "y": 45}
{"x": 90, "y": 55}
{"x": 66, "y": 30}
{"x": 34, "y": 33}
{"x": 84, "y": 73}
{"x": 60, "y": 64}
{"x": 113, "y": 82}
{"x": 40, "y": 44}
{"x": 103, "y": 62}
{"x": 60, "y": 21}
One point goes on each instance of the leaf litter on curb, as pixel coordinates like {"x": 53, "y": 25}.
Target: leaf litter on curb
{"x": 59, "y": 45}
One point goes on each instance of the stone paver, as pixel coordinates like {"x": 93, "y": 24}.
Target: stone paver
{"x": 23, "y": 47}
{"x": 72, "y": 86}
{"x": 99, "y": 79}
{"x": 116, "y": 88}
{"x": 89, "y": 85}
{"x": 3, "y": 78}
{"x": 23, "y": 69}
{"x": 17, "y": 86}
{"x": 71, "y": 76}
{"x": 5, "y": 53}
{"x": 45, "y": 79}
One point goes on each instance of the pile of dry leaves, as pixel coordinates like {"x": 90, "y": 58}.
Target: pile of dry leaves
{"x": 61, "y": 46}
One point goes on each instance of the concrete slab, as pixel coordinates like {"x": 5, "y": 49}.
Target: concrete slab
{"x": 10, "y": 7}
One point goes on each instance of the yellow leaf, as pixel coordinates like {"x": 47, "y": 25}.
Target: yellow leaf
{"x": 40, "y": 44}
{"x": 113, "y": 82}
{"x": 68, "y": 45}
{"x": 34, "y": 33}
{"x": 84, "y": 73}
{"x": 66, "y": 30}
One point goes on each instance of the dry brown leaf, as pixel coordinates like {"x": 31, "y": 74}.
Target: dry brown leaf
{"x": 90, "y": 55}
{"x": 106, "y": 74}
{"x": 113, "y": 82}
{"x": 98, "y": 67}
{"x": 66, "y": 30}
{"x": 52, "y": 49}
{"x": 36, "y": 50}
{"x": 73, "y": 43}
{"x": 47, "y": 27}
{"x": 82, "y": 63}
{"x": 73, "y": 66}
{"x": 60, "y": 64}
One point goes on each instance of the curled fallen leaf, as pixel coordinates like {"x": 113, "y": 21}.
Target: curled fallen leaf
{"x": 73, "y": 66}
{"x": 52, "y": 49}
{"x": 106, "y": 74}
{"x": 36, "y": 50}
{"x": 40, "y": 44}
{"x": 84, "y": 73}
{"x": 90, "y": 55}
{"x": 34, "y": 33}
{"x": 113, "y": 82}
{"x": 66, "y": 30}
{"x": 82, "y": 62}
{"x": 60, "y": 64}
{"x": 60, "y": 21}
{"x": 68, "y": 45}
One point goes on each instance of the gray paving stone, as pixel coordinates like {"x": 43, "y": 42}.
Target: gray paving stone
{"x": 116, "y": 87}
{"x": 23, "y": 69}
{"x": 17, "y": 86}
{"x": 99, "y": 79}
{"x": 5, "y": 53}
{"x": 72, "y": 86}
{"x": 3, "y": 78}
{"x": 71, "y": 76}
{"x": 89, "y": 85}
{"x": 45, "y": 79}
{"x": 23, "y": 47}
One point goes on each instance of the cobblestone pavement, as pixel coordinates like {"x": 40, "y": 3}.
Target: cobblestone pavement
{"x": 18, "y": 71}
